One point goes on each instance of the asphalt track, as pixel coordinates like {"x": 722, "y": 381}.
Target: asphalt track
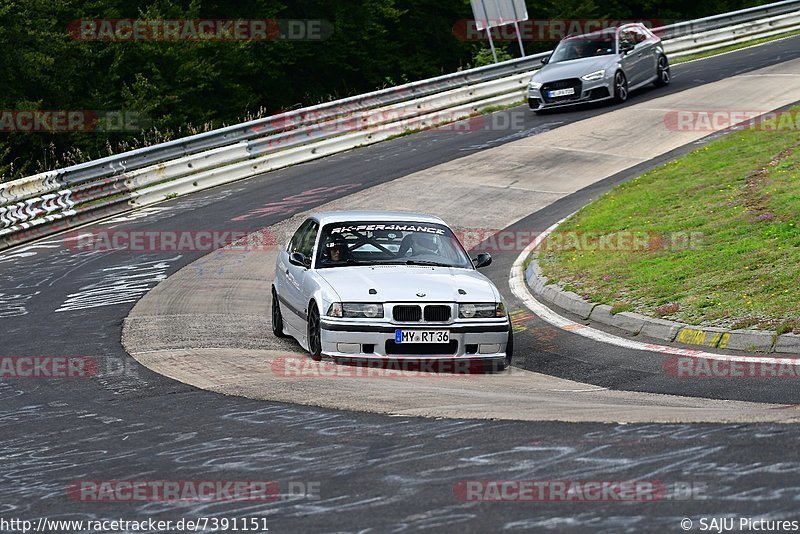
{"x": 375, "y": 472}
{"x": 205, "y": 325}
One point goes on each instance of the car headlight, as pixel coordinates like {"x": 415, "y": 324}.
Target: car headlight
{"x": 356, "y": 310}
{"x": 596, "y": 75}
{"x": 482, "y": 310}
{"x": 535, "y": 85}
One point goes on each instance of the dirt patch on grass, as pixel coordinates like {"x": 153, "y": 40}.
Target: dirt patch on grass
{"x": 755, "y": 200}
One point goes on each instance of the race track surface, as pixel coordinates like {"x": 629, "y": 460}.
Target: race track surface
{"x": 375, "y": 473}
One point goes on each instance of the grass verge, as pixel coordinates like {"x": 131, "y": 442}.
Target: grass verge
{"x": 712, "y": 238}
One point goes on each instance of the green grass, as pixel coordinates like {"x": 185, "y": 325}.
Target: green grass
{"x": 738, "y": 201}
{"x": 492, "y": 109}
{"x": 404, "y": 133}
{"x": 731, "y": 48}
{"x": 526, "y": 263}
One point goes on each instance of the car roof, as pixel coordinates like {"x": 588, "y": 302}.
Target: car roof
{"x": 599, "y": 33}
{"x": 327, "y": 217}
{"x": 611, "y": 30}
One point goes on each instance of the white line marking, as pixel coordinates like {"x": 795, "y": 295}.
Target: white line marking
{"x": 516, "y": 281}
{"x": 771, "y": 75}
{"x": 590, "y": 390}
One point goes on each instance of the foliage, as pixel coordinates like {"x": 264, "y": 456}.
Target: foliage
{"x": 190, "y": 86}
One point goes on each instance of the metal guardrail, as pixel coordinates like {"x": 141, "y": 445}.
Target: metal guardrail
{"x": 147, "y": 156}
{"x": 723, "y": 37}
{"x": 61, "y": 199}
{"x": 726, "y": 19}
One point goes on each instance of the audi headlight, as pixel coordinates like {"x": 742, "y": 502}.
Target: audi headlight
{"x": 481, "y": 310}
{"x": 535, "y": 85}
{"x": 356, "y": 310}
{"x": 596, "y": 75}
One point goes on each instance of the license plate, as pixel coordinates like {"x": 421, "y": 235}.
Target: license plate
{"x": 562, "y": 92}
{"x": 421, "y": 336}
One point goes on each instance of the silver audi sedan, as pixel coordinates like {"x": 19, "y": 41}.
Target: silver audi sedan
{"x": 387, "y": 286}
{"x": 605, "y": 65}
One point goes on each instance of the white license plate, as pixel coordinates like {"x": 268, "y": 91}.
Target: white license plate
{"x": 421, "y": 336}
{"x": 562, "y": 92}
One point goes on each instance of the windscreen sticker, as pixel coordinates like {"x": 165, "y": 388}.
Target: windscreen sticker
{"x": 388, "y": 227}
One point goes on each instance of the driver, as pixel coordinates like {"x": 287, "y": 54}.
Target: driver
{"x": 425, "y": 244}
{"x": 583, "y": 49}
{"x": 337, "y": 251}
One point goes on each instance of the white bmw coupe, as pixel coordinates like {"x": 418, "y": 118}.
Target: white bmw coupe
{"x": 386, "y": 286}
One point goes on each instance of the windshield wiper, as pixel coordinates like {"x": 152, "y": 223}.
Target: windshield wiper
{"x": 343, "y": 263}
{"x": 426, "y": 263}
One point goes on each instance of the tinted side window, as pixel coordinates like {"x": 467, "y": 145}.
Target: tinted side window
{"x": 308, "y": 240}
{"x": 639, "y": 35}
{"x": 297, "y": 239}
{"x": 626, "y": 38}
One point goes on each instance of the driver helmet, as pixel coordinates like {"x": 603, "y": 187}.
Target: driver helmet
{"x": 425, "y": 243}
{"x": 337, "y": 250}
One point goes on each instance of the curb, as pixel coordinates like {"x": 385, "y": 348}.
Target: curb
{"x": 635, "y": 324}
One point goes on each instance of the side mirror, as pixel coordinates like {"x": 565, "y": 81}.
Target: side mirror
{"x": 545, "y": 60}
{"x": 483, "y": 260}
{"x": 295, "y": 258}
{"x": 625, "y": 48}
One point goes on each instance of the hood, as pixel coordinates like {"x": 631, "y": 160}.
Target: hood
{"x": 401, "y": 283}
{"x": 574, "y": 68}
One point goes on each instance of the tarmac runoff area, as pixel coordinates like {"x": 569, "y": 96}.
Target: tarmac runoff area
{"x": 208, "y": 324}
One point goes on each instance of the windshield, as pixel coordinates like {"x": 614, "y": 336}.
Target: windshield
{"x": 584, "y": 46}
{"x": 389, "y": 243}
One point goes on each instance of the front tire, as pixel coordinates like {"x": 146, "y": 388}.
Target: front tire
{"x": 277, "y": 317}
{"x": 620, "y": 87}
{"x": 664, "y": 76}
{"x": 314, "y": 333}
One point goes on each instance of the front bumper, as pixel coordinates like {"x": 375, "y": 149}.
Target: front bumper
{"x": 593, "y": 91}
{"x": 469, "y": 341}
